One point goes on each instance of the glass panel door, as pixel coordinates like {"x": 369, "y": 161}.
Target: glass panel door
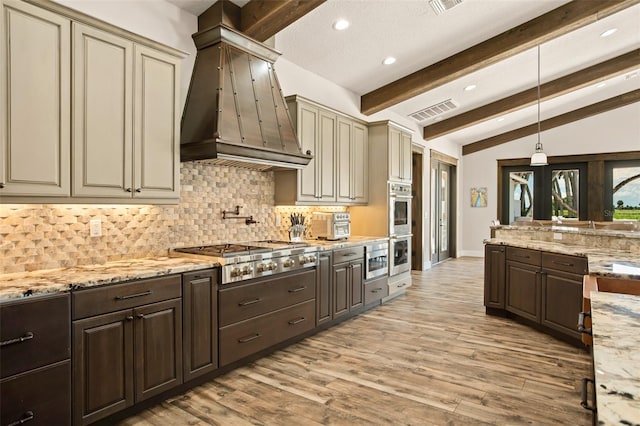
{"x": 442, "y": 182}
{"x": 520, "y": 195}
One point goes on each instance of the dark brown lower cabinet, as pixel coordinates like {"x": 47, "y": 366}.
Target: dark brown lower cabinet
{"x": 543, "y": 287}
{"x": 324, "y": 289}
{"x": 494, "y": 276}
{"x": 38, "y": 397}
{"x": 200, "y": 323}
{"x": 523, "y": 290}
{"x": 126, "y": 356}
{"x": 347, "y": 287}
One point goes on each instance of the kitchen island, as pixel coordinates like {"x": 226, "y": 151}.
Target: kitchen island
{"x": 616, "y": 357}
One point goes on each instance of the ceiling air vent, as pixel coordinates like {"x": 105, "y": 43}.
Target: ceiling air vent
{"x": 434, "y": 110}
{"x": 440, "y": 6}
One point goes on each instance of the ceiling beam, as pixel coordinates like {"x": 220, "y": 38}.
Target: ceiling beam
{"x": 560, "y": 120}
{"x": 555, "y": 23}
{"x": 583, "y": 78}
{"x": 261, "y": 19}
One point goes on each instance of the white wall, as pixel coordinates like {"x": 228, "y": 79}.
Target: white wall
{"x": 613, "y": 131}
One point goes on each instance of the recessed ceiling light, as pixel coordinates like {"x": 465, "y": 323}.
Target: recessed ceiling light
{"x": 470, "y": 87}
{"x": 389, "y": 60}
{"x": 608, "y": 32}
{"x": 599, "y": 85}
{"x": 341, "y": 24}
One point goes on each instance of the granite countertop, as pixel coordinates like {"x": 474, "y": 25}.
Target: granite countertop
{"x": 357, "y": 240}
{"x": 21, "y": 284}
{"x": 610, "y": 232}
{"x": 616, "y": 357}
{"x": 612, "y": 263}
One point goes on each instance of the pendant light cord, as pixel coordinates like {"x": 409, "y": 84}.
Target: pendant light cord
{"x": 539, "y": 145}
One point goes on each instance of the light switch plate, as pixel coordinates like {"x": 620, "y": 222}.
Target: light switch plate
{"x": 95, "y": 228}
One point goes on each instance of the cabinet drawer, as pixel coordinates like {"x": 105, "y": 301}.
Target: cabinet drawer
{"x": 111, "y": 298}
{"x": 249, "y": 300}
{"x": 248, "y": 337}
{"x": 39, "y": 397}
{"x": 562, "y": 262}
{"x": 34, "y": 332}
{"x": 375, "y": 290}
{"x": 348, "y": 254}
{"x": 522, "y": 255}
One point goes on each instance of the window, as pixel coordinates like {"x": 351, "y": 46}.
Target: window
{"x": 623, "y": 190}
{"x": 544, "y": 192}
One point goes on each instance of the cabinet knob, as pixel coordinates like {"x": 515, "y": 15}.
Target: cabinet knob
{"x": 138, "y": 189}
{"x": 129, "y": 190}
{"x": 1, "y": 185}
{"x": 308, "y": 152}
{"x": 141, "y": 316}
{"x": 129, "y": 317}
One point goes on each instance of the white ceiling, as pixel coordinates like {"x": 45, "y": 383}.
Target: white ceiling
{"x": 410, "y": 31}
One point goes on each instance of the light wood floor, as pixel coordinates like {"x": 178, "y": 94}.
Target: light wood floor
{"x": 430, "y": 357}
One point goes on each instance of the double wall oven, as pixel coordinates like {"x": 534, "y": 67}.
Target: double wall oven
{"x": 399, "y": 228}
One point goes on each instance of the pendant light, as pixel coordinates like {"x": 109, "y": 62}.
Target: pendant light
{"x": 539, "y": 158}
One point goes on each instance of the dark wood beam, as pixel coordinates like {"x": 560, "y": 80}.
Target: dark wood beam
{"x": 560, "y": 120}
{"x": 583, "y": 78}
{"x": 261, "y": 19}
{"x": 555, "y": 23}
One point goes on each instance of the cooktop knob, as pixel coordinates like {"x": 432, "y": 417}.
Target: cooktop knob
{"x": 235, "y": 272}
{"x": 273, "y": 266}
{"x": 247, "y": 270}
{"x": 289, "y": 262}
{"x": 263, "y": 267}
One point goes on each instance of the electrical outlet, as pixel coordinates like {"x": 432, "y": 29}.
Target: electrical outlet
{"x": 278, "y": 220}
{"x": 557, "y": 235}
{"x": 95, "y": 228}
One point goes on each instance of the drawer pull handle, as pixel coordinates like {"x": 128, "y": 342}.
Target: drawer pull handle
{"x": 557, "y": 262}
{"x": 297, "y": 321}
{"x": 402, "y": 285}
{"x": 351, "y": 253}
{"x": 295, "y": 290}
{"x": 581, "y": 328}
{"x": 522, "y": 256}
{"x": 28, "y": 416}
{"x": 250, "y": 302}
{"x": 249, "y": 338}
{"x": 376, "y": 290}
{"x": 133, "y": 296}
{"x": 585, "y": 403}
{"x": 27, "y": 336}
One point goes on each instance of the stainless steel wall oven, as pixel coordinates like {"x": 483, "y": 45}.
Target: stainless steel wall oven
{"x": 399, "y": 209}
{"x": 400, "y": 255}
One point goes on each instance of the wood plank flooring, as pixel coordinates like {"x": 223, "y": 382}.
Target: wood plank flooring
{"x": 430, "y": 357}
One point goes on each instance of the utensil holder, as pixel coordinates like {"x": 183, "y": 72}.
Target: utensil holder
{"x": 297, "y": 232}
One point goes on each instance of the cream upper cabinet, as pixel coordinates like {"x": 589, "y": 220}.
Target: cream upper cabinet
{"x": 316, "y": 182}
{"x": 392, "y": 146}
{"x": 102, "y": 113}
{"x": 399, "y": 155}
{"x": 34, "y": 101}
{"x": 156, "y": 128}
{"x": 352, "y": 151}
{"x": 125, "y": 141}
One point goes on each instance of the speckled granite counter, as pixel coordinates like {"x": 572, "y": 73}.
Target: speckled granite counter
{"x": 616, "y": 356}
{"x": 602, "y": 262}
{"x": 21, "y": 284}
{"x": 351, "y": 241}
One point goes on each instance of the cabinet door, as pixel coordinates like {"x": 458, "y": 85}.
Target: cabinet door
{"x": 323, "y": 289}
{"x": 37, "y": 398}
{"x": 345, "y": 160}
{"x": 102, "y": 366}
{"x": 102, "y": 132}
{"x": 326, "y": 151}
{"x": 158, "y": 348}
{"x": 360, "y": 168}
{"x": 308, "y": 118}
{"x": 156, "y": 127}
{"x": 494, "y": 276}
{"x": 34, "y": 101}
{"x": 200, "y": 323}
{"x": 405, "y": 157}
{"x": 523, "y": 290}
{"x": 561, "y": 301}
{"x": 395, "y": 150}
{"x": 356, "y": 281}
{"x": 341, "y": 289}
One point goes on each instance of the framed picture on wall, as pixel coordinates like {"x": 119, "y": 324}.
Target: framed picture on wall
{"x": 479, "y": 196}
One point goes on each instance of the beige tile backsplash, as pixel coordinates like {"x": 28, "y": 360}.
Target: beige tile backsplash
{"x": 42, "y": 236}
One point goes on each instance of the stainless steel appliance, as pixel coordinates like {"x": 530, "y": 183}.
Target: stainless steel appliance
{"x": 245, "y": 261}
{"x": 376, "y": 259}
{"x": 399, "y": 209}
{"x": 400, "y": 255}
{"x": 331, "y": 225}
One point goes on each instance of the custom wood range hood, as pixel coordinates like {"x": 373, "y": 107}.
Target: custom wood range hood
{"x": 235, "y": 112}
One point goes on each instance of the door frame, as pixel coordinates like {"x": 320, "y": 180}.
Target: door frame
{"x": 417, "y": 208}
{"x": 439, "y": 157}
